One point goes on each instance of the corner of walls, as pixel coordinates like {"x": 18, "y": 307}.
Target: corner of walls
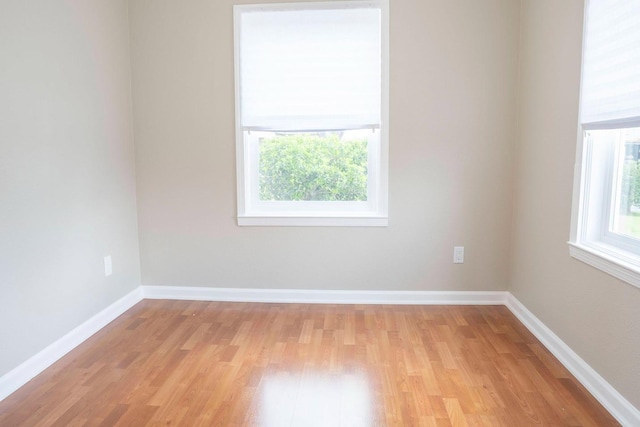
{"x": 66, "y": 169}
{"x": 133, "y": 142}
{"x": 592, "y": 312}
{"x": 515, "y": 154}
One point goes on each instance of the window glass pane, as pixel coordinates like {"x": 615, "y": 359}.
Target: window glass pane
{"x": 626, "y": 217}
{"x": 320, "y": 166}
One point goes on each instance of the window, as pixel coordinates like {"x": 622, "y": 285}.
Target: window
{"x": 312, "y": 113}
{"x": 606, "y": 217}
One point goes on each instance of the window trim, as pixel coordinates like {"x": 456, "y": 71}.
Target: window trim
{"x": 612, "y": 264}
{"x": 371, "y": 218}
{"x": 591, "y": 243}
{"x": 311, "y": 208}
{"x": 621, "y": 264}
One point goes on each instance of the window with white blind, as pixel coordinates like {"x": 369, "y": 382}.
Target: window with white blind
{"x": 606, "y": 210}
{"x": 312, "y": 113}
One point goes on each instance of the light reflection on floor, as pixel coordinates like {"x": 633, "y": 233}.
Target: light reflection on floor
{"x": 314, "y": 399}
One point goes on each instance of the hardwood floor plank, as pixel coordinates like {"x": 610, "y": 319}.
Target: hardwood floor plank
{"x": 241, "y": 364}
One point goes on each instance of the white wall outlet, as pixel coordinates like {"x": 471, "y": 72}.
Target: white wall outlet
{"x": 458, "y": 254}
{"x": 108, "y": 267}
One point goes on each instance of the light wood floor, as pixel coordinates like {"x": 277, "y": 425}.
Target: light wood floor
{"x": 272, "y": 365}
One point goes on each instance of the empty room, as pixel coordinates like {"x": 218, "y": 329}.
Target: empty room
{"x": 319, "y": 213}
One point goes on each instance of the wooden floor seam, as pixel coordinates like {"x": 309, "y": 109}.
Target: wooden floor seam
{"x": 194, "y": 363}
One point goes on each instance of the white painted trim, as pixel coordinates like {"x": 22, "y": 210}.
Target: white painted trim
{"x": 377, "y": 214}
{"x": 291, "y": 221}
{"x": 610, "y": 264}
{"x": 609, "y": 397}
{"x": 23, "y": 373}
{"x": 325, "y": 296}
{"x": 613, "y": 401}
{"x": 579, "y": 181}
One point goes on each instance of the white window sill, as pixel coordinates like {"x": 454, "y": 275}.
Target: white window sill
{"x": 315, "y": 221}
{"x": 608, "y": 259}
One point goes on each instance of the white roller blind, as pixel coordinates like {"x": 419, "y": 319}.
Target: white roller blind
{"x": 611, "y": 66}
{"x": 309, "y": 66}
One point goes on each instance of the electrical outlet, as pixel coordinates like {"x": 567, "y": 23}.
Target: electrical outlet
{"x": 458, "y": 254}
{"x": 108, "y": 267}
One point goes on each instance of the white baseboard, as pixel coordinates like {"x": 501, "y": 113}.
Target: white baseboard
{"x": 325, "y": 296}
{"x": 614, "y": 402}
{"x": 24, "y": 372}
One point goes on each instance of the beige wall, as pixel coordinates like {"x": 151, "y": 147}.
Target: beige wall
{"x": 595, "y": 314}
{"x": 453, "y": 113}
{"x": 69, "y": 190}
{"x": 67, "y": 183}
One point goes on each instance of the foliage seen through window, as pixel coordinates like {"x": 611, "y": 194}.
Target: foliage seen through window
{"x": 313, "y": 167}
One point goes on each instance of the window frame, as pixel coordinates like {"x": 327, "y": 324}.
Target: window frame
{"x": 609, "y": 237}
{"x": 252, "y": 212}
{"x": 313, "y": 208}
{"x": 591, "y": 240}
